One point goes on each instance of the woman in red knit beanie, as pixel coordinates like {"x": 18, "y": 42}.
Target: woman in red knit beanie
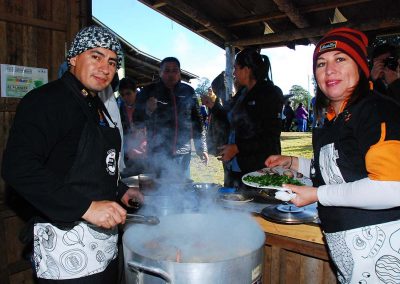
{"x": 355, "y": 166}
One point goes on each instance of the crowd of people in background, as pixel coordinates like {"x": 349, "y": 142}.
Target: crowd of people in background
{"x": 295, "y": 116}
{"x": 300, "y": 119}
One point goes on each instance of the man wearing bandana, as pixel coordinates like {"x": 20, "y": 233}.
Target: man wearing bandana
{"x": 62, "y": 157}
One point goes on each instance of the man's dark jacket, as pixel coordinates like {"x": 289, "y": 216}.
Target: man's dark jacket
{"x": 42, "y": 148}
{"x": 176, "y": 120}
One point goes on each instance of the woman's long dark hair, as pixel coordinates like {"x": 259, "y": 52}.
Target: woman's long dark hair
{"x": 360, "y": 91}
{"x": 258, "y": 64}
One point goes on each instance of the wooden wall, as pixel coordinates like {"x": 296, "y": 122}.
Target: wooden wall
{"x": 288, "y": 260}
{"x": 33, "y": 33}
{"x": 36, "y": 33}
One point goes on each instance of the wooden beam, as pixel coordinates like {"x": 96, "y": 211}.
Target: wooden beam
{"x": 330, "y": 5}
{"x": 292, "y": 12}
{"x": 256, "y": 19}
{"x": 158, "y": 4}
{"x": 279, "y": 15}
{"x": 288, "y": 36}
{"x": 201, "y": 18}
{"x": 12, "y": 18}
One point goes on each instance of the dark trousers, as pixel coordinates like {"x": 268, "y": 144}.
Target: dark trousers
{"x": 288, "y": 124}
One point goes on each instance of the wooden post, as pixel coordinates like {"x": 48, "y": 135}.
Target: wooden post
{"x": 230, "y": 59}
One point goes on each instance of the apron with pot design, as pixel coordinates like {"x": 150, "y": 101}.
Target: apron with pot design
{"x": 370, "y": 254}
{"x": 78, "y": 252}
{"x": 79, "y": 249}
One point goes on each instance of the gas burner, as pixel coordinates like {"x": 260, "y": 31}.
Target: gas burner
{"x": 289, "y": 214}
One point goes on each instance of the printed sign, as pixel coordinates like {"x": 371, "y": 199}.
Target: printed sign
{"x": 16, "y": 81}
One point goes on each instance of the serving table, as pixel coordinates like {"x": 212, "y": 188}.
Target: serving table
{"x": 295, "y": 254}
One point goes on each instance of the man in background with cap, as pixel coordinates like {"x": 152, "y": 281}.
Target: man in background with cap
{"x": 62, "y": 157}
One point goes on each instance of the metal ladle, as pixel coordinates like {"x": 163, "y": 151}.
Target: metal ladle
{"x": 142, "y": 219}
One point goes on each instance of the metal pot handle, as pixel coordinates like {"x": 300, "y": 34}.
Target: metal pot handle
{"x": 133, "y": 265}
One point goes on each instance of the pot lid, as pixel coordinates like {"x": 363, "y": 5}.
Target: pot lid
{"x": 289, "y": 214}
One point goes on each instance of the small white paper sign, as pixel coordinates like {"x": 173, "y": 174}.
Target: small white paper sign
{"x": 16, "y": 80}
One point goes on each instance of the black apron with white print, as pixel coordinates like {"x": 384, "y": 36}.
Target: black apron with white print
{"x": 363, "y": 244}
{"x": 338, "y": 159}
{"x": 80, "y": 249}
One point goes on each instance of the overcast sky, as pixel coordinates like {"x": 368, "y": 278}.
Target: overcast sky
{"x": 160, "y": 37}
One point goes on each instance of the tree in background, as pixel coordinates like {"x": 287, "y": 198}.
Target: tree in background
{"x": 202, "y": 86}
{"x": 300, "y": 95}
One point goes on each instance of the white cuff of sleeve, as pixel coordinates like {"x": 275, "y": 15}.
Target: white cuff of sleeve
{"x": 363, "y": 194}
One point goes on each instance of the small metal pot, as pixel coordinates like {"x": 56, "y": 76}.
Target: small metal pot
{"x": 206, "y": 191}
{"x": 205, "y": 187}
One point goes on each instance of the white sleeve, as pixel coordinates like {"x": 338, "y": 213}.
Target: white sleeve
{"x": 304, "y": 166}
{"x": 364, "y": 194}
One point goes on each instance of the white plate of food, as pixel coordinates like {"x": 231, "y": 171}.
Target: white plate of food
{"x": 273, "y": 178}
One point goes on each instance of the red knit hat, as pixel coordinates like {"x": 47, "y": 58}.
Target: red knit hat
{"x": 352, "y": 42}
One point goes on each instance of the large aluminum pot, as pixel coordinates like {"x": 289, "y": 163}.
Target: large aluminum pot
{"x": 196, "y": 249}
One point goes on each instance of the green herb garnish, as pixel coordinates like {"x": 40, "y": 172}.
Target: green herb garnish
{"x": 273, "y": 180}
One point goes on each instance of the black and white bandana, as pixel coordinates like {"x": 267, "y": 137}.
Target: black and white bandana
{"x": 92, "y": 37}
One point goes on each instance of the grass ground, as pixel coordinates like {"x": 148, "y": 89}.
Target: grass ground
{"x": 293, "y": 143}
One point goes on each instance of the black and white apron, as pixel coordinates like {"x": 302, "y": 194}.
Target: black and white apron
{"x": 365, "y": 253}
{"x": 369, "y": 254}
{"x": 80, "y": 249}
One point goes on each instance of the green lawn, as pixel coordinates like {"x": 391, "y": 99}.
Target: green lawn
{"x": 296, "y": 144}
{"x": 293, "y": 143}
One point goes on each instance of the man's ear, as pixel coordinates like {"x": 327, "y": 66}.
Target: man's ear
{"x": 72, "y": 61}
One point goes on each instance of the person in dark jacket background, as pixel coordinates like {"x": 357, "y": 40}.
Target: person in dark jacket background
{"x": 62, "y": 157}
{"x": 171, "y": 113}
{"x": 289, "y": 115}
{"x": 254, "y": 117}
